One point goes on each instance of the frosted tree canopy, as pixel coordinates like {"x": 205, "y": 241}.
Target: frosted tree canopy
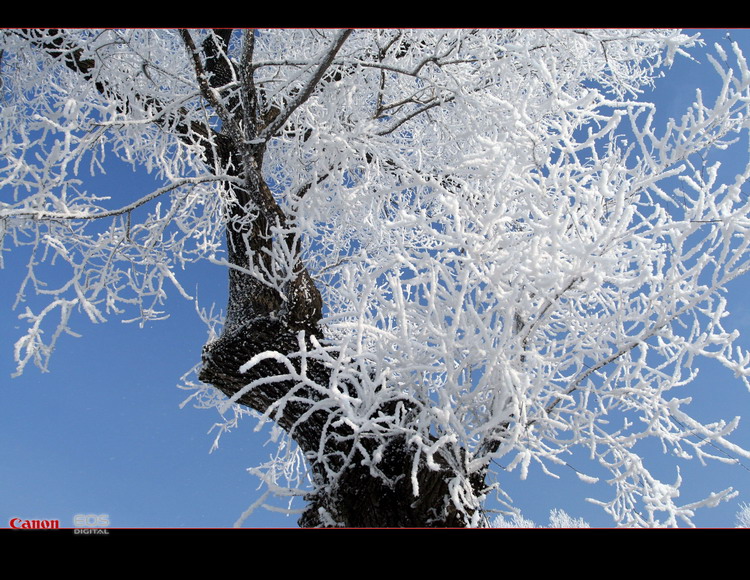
{"x": 504, "y": 257}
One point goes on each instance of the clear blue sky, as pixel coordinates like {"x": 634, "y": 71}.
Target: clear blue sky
{"x": 103, "y": 431}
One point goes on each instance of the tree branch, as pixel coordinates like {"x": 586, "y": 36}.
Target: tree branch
{"x": 305, "y": 94}
{"x": 208, "y": 91}
{"x": 48, "y": 215}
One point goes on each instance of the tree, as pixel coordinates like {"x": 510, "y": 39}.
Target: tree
{"x": 446, "y": 250}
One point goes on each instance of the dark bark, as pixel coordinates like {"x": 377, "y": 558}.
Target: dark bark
{"x": 383, "y": 495}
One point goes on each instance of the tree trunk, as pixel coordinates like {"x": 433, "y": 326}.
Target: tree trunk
{"x": 360, "y": 494}
{"x": 352, "y": 493}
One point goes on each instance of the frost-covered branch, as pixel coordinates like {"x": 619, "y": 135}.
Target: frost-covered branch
{"x": 304, "y": 94}
{"x": 52, "y": 216}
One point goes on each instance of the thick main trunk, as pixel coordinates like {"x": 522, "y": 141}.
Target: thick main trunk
{"x": 359, "y": 494}
{"x": 262, "y": 319}
{"x": 361, "y": 497}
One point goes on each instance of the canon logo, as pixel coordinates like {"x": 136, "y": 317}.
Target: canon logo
{"x": 19, "y": 524}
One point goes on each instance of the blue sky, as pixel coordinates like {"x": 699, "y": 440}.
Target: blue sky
{"x": 103, "y": 432}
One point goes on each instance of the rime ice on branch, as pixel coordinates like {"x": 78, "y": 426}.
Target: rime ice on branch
{"x": 446, "y": 250}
